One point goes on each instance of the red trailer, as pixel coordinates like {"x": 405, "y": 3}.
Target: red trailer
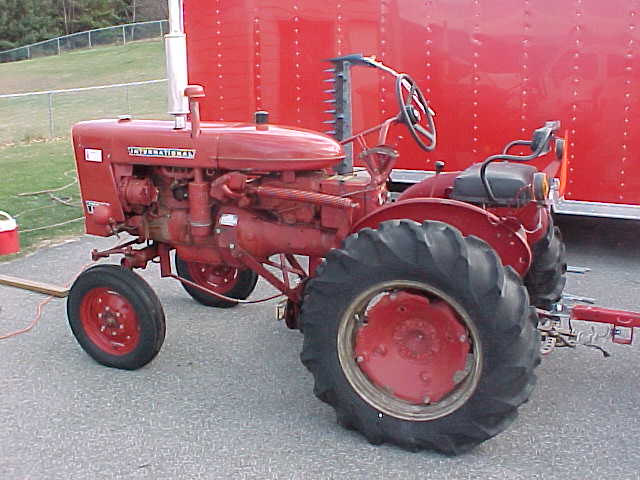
{"x": 493, "y": 69}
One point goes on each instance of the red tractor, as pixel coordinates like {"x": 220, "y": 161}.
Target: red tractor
{"x": 419, "y": 315}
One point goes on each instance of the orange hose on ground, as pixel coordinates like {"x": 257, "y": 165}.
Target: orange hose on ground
{"x": 39, "y": 309}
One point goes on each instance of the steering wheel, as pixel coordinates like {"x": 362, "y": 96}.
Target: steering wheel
{"x": 415, "y": 112}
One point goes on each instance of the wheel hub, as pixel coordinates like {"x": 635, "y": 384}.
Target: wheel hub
{"x": 219, "y": 278}
{"x": 412, "y": 347}
{"x": 416, "y": 339}
{"x": 110, "y": 321}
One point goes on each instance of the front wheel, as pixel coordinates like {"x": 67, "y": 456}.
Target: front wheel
{"x": 116, "y": 317}
{"x": 228, "y": 281}
{"x": 419, "y": 336}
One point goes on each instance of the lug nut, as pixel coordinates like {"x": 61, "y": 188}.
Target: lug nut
{"x": 359, "y": 359}
{"x": 463, "y": 338}
{"x": 427, "y": 400}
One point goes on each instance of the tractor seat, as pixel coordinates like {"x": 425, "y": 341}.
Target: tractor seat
{"x": 511, "y": 184}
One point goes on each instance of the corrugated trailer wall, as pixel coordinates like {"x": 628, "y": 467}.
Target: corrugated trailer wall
{"x": 494, "y": 70}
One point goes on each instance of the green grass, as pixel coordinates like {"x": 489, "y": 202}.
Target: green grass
{"x": 24, "y": 119}
{"x": 34, "y": 167}
{"x": 133, "y": 62}
{"x": 28, "y": 164}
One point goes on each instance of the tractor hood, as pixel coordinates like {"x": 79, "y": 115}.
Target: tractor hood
{"x": 222, "y": 145}
{"x": 275, "y": 148}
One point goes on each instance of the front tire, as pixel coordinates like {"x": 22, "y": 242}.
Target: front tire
{"x": 116, "y": 317}
{"x": 419, "y": 337}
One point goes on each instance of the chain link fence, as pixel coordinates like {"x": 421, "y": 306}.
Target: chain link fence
{"x": 32, "y": 116}
{"x": 117, "y": 35}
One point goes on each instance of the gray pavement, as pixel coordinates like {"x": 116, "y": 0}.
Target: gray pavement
{"x": 228, "y": 398}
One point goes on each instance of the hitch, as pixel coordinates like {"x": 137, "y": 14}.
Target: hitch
{"x": 557, "y": 329}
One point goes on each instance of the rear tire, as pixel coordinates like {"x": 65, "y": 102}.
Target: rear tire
{"x": 438, "y": 284}
{"x": 546, "y": 278}
{"x": 116, "y": 317}
{"x": 228, "y": 281}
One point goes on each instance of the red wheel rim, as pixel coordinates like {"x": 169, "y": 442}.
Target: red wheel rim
{"x": 110, "y": 321}
{"x": 219, "y": 278}
{"x": 414, "y": 347}
{"x": 410, "y": 350}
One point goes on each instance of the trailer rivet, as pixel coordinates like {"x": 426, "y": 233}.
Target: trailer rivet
{"x": 99, "y": 300}
{"x": 100, "y": 315}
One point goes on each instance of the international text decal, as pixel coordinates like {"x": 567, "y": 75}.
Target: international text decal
{"x": 162, "y": 152}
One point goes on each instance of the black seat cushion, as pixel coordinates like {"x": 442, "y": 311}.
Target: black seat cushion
{"x": 510, "y": 184}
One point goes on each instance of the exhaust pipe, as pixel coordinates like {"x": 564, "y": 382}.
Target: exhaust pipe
{"x": 176, "y": 52}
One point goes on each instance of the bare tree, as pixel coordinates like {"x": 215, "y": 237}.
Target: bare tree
{"x": 151, "y": 9}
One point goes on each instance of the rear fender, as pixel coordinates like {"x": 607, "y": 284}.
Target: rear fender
{"x": 508, "y": 241}
{"x": 434, "y": 186}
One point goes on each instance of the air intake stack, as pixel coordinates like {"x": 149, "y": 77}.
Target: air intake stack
{"x": 176, "y": 52}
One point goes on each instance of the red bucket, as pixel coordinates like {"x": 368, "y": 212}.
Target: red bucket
{"x": 9, "y": 240}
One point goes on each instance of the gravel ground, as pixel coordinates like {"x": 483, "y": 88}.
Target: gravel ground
{"x": 228, "y": 398}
